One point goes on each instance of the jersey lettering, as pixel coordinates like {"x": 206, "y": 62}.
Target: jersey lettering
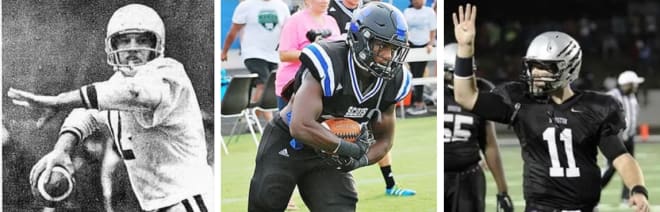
{"x": 356, "y": 112}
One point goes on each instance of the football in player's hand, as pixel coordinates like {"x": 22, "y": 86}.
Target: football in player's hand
{"x": 59, "y": 186}
{"x": 343, "y": 128}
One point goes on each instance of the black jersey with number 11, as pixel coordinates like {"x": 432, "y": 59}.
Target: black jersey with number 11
{"x": 559, "y": 141}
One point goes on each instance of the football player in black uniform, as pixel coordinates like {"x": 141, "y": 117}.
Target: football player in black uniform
{"x": 342, "y": 11}
{"x": 361, "y": 79}
{"x": 466, "y": 135}
{"x": 560, "y": 129}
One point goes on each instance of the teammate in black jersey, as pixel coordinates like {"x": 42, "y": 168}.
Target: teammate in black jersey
{"x": 342, "y": 11}
{"x": 466, "y": 135}
{"x": 560, "y": 129}
{"x": 361, "y": 79}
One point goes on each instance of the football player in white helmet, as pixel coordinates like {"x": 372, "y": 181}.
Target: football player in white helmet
{"x": 150, "y": 109}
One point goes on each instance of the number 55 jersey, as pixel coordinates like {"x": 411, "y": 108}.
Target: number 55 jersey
{"x": 464, "y": 135}
{"x": 559, "y": 141}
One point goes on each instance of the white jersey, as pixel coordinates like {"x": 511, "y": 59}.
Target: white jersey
{"x": 420, "y": 24}
{"x": 263, "y": 23}
{"x": 156, "y": 124}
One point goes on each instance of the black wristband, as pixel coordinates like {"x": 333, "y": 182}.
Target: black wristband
{"x": 348, "y": 149}
{"x": 640, "y": 190}
{"x": 464, "y": 67}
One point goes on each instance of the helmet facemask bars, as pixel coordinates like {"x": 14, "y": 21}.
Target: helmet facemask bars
{"x": 379, "y": 27}
{"x": 557, "y": 53}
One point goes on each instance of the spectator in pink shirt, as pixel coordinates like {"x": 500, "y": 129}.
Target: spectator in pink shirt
{"x": 311, "y": 24}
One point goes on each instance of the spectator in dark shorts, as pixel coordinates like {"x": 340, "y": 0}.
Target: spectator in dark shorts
{"x": 261, "y": 22}
{"x": 422, "y": 22}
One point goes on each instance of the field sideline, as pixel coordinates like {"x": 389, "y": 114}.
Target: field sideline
{"x": 414, "y": 166}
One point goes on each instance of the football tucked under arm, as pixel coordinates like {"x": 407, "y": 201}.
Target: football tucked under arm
{"x": 344, "y": 128}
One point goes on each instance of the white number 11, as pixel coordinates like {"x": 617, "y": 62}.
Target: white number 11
{"x": 566, "y": 136}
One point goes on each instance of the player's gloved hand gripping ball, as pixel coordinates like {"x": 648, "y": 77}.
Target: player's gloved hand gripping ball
{"x": 356, "y": 140}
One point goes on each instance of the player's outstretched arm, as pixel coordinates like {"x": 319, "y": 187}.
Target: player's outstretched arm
{"x": 69, "y": 99}
{"x": 465, "y": 87}
{"x": 632, "y": 176}
{"x": 383, "y": 134}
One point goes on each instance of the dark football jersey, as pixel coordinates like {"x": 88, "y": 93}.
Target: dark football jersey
{"x": 464, "y": 133}
{"x": 342, "y": 15}
{"x": 331, "y": 63}
{"x": 559, "y": 142}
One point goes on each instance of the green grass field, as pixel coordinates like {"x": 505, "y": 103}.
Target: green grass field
{"x": 414, "y": 166}
{"x": 646, "y": 154}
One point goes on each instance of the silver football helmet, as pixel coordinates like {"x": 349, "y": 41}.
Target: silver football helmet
{"x": 556, "y": 52}
{"x": 449, "y": 56}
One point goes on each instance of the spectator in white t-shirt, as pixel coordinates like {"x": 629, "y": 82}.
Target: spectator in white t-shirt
{"x": 422, "y": 26}
{"x": 261, "y": 22}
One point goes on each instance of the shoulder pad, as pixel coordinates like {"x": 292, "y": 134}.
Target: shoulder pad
{"x": 319, "y": 62}
{"x": 404, "y": 80}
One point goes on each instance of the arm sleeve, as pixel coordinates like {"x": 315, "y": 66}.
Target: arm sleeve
{"x": 82, "y": 123}
{"x": 432, "y": 20}
{"x": 491, "y": 106}
{"x": 289, "y": 36}
{"x": 611, "y": 146}
{"x": 240, "y": 14}
{"x": 406, "y": 86}
{"x": 128, "y": 94}
{"x": 320, "y": 65}
{"x": 610, "y": 143}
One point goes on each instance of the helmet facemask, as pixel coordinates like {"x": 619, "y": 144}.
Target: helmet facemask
{"x": 551, "y": 82}
{"x": 378, "y": 27}
{"x": 115, "y": 54}
{"x": 365, "y": 55}
{"x": 126, "y": 21}
{"x": 554, "y": 52}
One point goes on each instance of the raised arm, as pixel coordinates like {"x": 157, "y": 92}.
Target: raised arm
{"x": 465, "y": 91}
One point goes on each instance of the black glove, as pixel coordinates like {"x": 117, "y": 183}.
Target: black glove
{"x": 343, "y": 163}
{"x": 354, "y": 164}
{"x": 358, "y": 149}
{"x": 364, "y": 141}
{"x": 314, "y": 34}
{"x": 504, "y": 202}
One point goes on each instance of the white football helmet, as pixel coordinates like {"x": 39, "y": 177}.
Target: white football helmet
{"x": 557, "y": 52}
{"x": 134, "y": 18}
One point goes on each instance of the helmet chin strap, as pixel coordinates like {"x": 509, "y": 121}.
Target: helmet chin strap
{"x": 127, "y": 70}
{"x": 376, "y": 111}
